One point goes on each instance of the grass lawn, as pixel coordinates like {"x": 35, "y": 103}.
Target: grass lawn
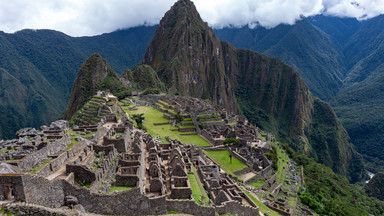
{"x": 281, "y": 163}
{"x": 222, "y": 158}
{"x": 118, "y": 188}
{"x": 198, "y": 191}
{"x": 153, "y": 115}
{"x": 256, "y": 184}
{"x": 263, "y": 208}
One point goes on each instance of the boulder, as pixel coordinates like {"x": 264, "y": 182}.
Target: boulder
{"x": 26, "y": 132}
{"x": 59, "y": 125}
{"x": 71, "y": 201}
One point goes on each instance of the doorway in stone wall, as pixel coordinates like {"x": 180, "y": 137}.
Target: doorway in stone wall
{"x": 9, "y": 192}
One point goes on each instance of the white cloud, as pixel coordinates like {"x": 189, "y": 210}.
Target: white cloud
{"x": 91, "y": 17}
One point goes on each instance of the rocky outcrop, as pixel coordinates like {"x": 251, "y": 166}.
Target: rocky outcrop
{"x": 95, "y": 74}
{"x": 192, "y": 61}
{"x": 188, "y": 57}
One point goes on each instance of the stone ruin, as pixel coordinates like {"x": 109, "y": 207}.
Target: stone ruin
{"x": 156, "y": 174}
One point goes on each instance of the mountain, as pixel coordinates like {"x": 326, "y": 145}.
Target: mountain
{"x": 360, "y": 101}
{"x": 340, "y": 60}
{"x": 95, "y": 74}
{"x": 191, "y": 60}
{"x": 375, "y": 187}
{"x": 38, "y": 68}
{"x": 188, "y": 57}
{"x": 302, "y": 45}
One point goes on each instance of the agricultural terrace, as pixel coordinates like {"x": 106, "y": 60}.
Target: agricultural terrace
{"x": 152, "y": 115}
{"x": 222, "y": 158}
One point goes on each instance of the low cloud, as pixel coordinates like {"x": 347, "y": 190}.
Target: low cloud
{"x": 92, "y": 17}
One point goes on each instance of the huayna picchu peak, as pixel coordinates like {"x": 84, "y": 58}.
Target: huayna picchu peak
{"x": 198, "y": 127}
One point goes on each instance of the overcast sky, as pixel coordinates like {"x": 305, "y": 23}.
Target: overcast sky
{"x": 92, "y": 17}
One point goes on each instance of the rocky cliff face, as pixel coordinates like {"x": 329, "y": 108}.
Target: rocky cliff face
{"x": 190, "y": 59}
{"x": 93, "y": 71}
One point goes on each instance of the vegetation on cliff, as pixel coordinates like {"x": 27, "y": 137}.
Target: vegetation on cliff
{"x": 191, "y": 61}
{"x": 375, "y": 187}
{"x": 95, "y": 74}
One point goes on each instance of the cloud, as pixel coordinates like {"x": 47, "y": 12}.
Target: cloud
{"x": 360, "y": 9}
{"x": 91, "y": 17}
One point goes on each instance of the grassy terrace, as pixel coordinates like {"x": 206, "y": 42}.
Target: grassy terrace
{"x": 118, "y": 188}
{"x": 199, "y": 194}
{"x": 153, "y": 115}
{"x": 281, "y": 163}
{"x": 222, "y": 158}
{"x": 256, "y": 184}
{"x": 263, "y": 208}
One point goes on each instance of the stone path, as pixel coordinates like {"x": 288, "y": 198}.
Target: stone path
{"x": 248, "y": 176}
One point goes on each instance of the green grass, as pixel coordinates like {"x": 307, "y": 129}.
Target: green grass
{"x": 4, "y": 150}
{"x": 34, "y": 170}
{"x": 263, "y": 208}
{"x": 118, "y": 188}
{"x": 153, "y": 115}
{"x": 222, "y": 158}
{"x": 173, "y": 212}
{"x": 281, "y": 162}
{"x": 256, "y": 184}
{"x": 198, "y": 191}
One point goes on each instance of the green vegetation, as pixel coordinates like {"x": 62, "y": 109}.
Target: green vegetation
{"x": 263, "y": 208}
{"x": 118, "y": 188}
{"x": 143, "y": 77}
{"x": 331, "y": 194}
{"x": 139, "y": 118}
{"x": 231, "y": 140}
{"x": 173, "y": 212}
{"x": 153, "y": 115}
{"x": 198, "y": 192}
{"x": 257, "y": 184}
{"x": 273, "y": 157}
{"x": 222, "y": 158}
{"x": 4, "y": 211}
{"x": 375, "y": 186}
{"x": 34, "y": 170}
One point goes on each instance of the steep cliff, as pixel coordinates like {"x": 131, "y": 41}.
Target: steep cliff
{"x": 188, "y": 56}
{"x": 190, "y": 59}
{"x": 95, "y": 74}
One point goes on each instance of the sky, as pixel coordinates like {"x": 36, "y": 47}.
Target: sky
{"x": 94, "y": 17}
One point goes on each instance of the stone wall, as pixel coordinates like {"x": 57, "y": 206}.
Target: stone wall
{"x": 234, "y": 207}
{"x": 60, "y": 161}
{"x": 239, "y": 157}
{"x": 190, "y": 207}
{"x": 130, "y": 202}
{"x": 16, "y": 182}
{"x": 30, "y": 209}
{"x": 81, "y": 172}
{"x": 38, "y": 157}
{"x": 41, "y": 191}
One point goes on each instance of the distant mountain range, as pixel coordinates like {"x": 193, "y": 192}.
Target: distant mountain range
{"x": 38, "y": 68}
{"x": 340, "y": 59}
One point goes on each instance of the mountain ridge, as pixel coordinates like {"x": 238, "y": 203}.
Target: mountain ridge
{"x": 187, "y": 47}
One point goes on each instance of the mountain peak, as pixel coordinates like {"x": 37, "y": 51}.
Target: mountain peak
{"x": 187, "y": 56}
{"x": 94, "y": 70}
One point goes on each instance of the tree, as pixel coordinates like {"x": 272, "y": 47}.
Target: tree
{"x": 231, "y": 140}
{"x": 139, "y": 118}
{"x": 178, "y": 117}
